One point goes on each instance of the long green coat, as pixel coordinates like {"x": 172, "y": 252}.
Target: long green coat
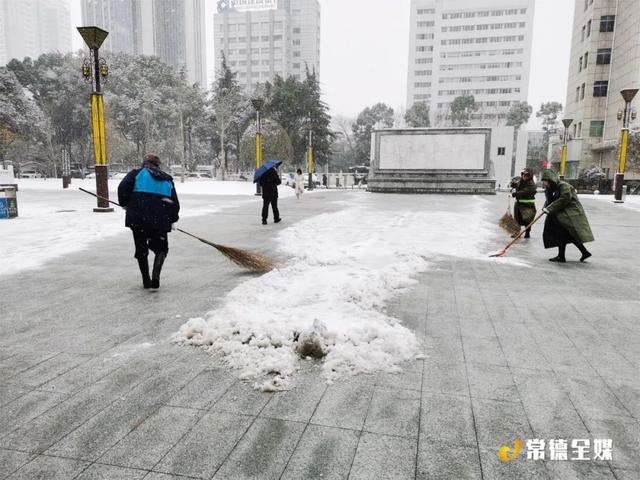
{"x": 565, "y": 211}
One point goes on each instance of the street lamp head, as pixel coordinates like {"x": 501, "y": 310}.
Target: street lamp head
{"x": 257, "y": 103}
{"x": 628, "y": 94}
{"x": 567, "y": 121}
{"x": 93, "y": 36}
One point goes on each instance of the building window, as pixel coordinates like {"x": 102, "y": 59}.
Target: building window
{"x": 604, "y": 56}
{"x": 586, "y": 5}
{"x": 589, "y": 28}
{"x": 296, "y": 65}
{"x": 577, "y": 94}
{"x": 586, "y": 60}
{"x": 296, "y": 54}
{"x": 584, "y": 30}
{"x": 607, "y": 23}
{"x": 579, "y": 133}
{"x": 600, "y": 88}
{"x": 582, "y": 90}
{"x": 501, "y": 150}
{"x": 596, "y": 128}
{"x": 296, "y": 30}
{"x": 296, "y": 42}
{"x": 580, "y": 65}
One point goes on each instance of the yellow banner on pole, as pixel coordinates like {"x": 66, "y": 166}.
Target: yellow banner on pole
{"x": 97, "y": 125}
{"x": 258, "y": 150}
{"x": 623, "y": 150}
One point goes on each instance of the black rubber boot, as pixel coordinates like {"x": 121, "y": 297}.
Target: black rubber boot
{"x": 157, "y": 268}
{"x": 527, "y": 234}
{"x": 143, "y": 263}
{"x": 585, "y": 253}
{"x": 560, "y": 257}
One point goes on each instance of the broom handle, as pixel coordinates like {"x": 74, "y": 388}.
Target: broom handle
{"x": 525, "y": 229}
{"x": 190, "y": 234}
{"x": 99, "y": 196}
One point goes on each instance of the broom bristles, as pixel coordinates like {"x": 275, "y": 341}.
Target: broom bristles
{"x": 244, "y": 258}
{"x": 509, "y": 223}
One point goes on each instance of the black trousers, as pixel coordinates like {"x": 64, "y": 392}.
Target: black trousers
{"x": 265, "y": 208}
{"x": 146, "y": 240}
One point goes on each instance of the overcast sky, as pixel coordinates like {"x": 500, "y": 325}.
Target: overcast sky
{"x": 364, "y": 52}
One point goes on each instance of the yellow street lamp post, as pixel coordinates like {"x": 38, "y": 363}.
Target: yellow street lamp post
{"x": 258, "y": 103}
{"x": 563, "y": 162}
{"x": 310, "y": 158}
{"x": 628, "y": 94}
{"x": 94, "y": 37}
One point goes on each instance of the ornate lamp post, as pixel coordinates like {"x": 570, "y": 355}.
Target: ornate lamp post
{"x": 94, "y": 69}
{"x": 258, "y": 103}
{"x": 628, "y": 94}
{"x": 563, "y": 162}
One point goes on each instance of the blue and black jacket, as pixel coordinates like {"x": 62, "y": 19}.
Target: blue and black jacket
{"x": 150, "y": 197}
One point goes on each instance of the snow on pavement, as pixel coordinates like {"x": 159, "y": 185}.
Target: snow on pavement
{"x": 631, "y": 202}
{"x": 53, "y": 222}
{"x": 344, "y": 268}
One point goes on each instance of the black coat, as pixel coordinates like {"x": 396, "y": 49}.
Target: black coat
{"x": 150, "y": 198}
{"x": 269, "y": 183}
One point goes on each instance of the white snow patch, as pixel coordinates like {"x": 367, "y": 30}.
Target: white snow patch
{"x": 344, "y": 269}
{"x": 54, "y": 222}
{"x": 631, "y": 202}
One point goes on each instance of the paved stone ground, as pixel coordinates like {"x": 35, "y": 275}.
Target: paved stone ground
{"x": 91, "y": 388}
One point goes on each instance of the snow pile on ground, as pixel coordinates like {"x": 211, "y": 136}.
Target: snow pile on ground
{"x": 632, "y": 202}
{"x": 330, "y": 297}
{"x": 53, "y": 221}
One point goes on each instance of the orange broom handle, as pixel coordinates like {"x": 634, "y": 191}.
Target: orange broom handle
{"x": 525, "y": 229}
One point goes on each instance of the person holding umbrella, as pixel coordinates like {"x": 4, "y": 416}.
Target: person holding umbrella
{"x": 566, "y": 221}
{"x": 268, "y": 178}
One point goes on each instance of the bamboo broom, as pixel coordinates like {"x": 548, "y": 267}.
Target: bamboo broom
{"x": 508, "y": 223}
{"x": 244, "y": 258}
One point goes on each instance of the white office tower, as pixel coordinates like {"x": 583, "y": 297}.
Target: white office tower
{"x": 480, "y": 48}
{"x": 265, "y": 38}
{"x": 29, "y": 28}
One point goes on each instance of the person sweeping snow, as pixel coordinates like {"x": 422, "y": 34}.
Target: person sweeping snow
{"x": 524, "y": 211}
{"x": 152, "y": 205}
{"x": 299, "y": 184}
{"x": 566, "y": 221}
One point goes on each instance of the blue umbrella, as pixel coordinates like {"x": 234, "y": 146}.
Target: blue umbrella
{"x": 266, "y": 166}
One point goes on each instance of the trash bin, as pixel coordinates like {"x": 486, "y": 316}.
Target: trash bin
{"x": 8, "y": 201}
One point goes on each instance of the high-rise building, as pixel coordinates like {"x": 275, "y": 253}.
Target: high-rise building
{"x": 29, "y": 28}
{"x": 174, "y": 30}
{"x": 179, "y": 36}
{"x": 264, "y": 38}
{"x": 480, "y": 48}
{"x": 121, "y": 18}
{"x": 605, "y": 59}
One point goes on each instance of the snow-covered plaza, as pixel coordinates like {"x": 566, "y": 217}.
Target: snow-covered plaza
{"x": 436, "y": 355}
